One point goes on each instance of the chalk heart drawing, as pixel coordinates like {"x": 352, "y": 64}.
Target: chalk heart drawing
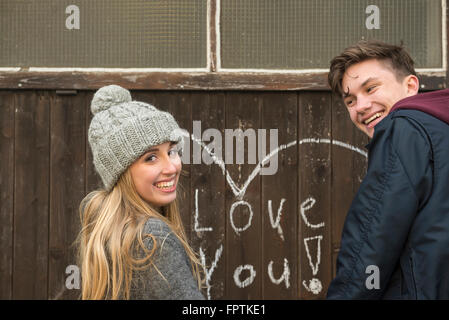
{"x": 239, "y": 193}
{"x": 314, "y": 285}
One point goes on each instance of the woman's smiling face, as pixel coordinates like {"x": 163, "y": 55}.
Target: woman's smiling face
{"x": 156, "y": 173}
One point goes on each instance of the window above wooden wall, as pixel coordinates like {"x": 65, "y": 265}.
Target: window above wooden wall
{"x": 207, "y": 44}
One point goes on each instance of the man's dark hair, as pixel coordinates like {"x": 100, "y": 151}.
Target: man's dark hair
{"x": 395, "y": 57}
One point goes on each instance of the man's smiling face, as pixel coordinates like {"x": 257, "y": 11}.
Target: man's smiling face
{"x": 371, "y": 88}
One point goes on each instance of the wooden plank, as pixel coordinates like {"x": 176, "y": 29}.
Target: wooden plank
{"x": 342, "y": 168}
{"x": 334, "y": 262}
{"x": 31, "y": 204}
{"x": 7, "y": 107}
{"x": 314, "y": 194}
{"x": 183, "y": 80}
{"x": 93, "y": 179}
{"x": 279, "y": 191}
{"x": 348, "y": 169}
{"x": 67, "y": 183}
{"x": 243, "y": 250}
{"x": 161, "y": 80}
{"x": 208, "y": 193}
{"x": 348, "y": 166}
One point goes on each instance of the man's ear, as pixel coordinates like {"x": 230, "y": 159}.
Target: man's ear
{"x": 412, "y": 83}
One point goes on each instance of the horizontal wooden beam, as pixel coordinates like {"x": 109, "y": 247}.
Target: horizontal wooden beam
{"x": 182, "y": 80}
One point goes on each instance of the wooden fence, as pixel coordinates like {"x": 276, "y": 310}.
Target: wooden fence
{"x": 261, "y": 236}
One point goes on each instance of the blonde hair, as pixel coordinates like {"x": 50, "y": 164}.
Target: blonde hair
{"x": 112, "y": 234}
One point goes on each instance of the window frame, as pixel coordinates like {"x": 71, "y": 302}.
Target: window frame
{"x": 212, "y": 77}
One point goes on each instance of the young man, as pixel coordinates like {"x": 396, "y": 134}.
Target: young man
{"x": 395, "y": 241}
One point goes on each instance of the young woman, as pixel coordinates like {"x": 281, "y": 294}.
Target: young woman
{"x": 132, "y": 244}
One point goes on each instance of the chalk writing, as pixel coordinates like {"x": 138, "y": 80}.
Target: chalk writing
{"x": 284, "y": 277}
{"x": 248, "y": 280}
{"x": 196, "y": 224}
{"x": 313, "y": 285}
{"x": 315, "y": 267}
{"x": 307, "y": 205}
{"x": 239, "y": 193}
{"x": 276, "y": 224}
{"x": 210, "y": 271}
{"x": 231, "y": 214}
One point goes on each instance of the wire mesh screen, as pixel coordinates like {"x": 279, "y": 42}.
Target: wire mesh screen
{"x": 303, "y": 34}
{"x": 103, "y": 33}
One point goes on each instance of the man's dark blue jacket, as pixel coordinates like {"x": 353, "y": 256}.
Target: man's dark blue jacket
{"x": 399, "y": 219}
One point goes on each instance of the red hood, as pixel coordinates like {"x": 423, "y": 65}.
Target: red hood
{"x": 435, "y": 103}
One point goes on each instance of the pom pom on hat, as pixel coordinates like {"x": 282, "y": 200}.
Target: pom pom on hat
{"x": 109, "y": 96}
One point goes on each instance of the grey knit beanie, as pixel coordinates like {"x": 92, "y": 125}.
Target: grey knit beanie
{"x": 122, "y": 130}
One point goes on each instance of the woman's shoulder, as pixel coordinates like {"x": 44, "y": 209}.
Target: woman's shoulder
{"x": 157, "y": 227}
{"x": 158, "y": 231}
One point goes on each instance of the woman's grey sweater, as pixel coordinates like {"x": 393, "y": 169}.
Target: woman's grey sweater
{"x": 173, "y": 264}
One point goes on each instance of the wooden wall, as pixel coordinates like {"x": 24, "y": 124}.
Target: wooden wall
{"x": 46, "y": 169}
